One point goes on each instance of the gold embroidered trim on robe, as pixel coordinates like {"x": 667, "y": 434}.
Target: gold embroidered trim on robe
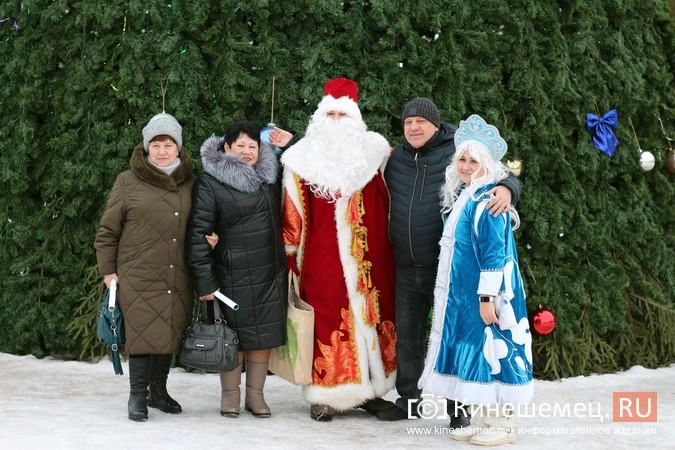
{"x": 364, "y": 284}
{"x": 372, "y": 306}
{"x": 291, "y": 223}
{"x": 341, "y": 353}
{"x": 387, "y": 335}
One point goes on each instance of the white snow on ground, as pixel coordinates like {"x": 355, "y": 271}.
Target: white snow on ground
{"x": 54, "y": 404}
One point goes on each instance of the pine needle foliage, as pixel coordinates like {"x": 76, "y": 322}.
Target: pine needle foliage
{"x": 81, "y": 78}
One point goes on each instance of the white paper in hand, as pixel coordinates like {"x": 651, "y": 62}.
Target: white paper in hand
{"x": 225, "y": 299}
{"x": 113, "y": 295}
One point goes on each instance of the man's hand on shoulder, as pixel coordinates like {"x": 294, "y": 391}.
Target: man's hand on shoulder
{"x": 501, "y": 200}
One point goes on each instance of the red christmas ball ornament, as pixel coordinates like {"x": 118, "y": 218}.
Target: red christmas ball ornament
{"x": 543, "y": 321}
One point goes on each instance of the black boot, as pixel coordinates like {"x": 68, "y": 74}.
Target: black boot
{"x": 375, "y": 405}
{"x": 159, "y": 398}
{"x": 459, "y": 415}
{"x": 139, "y": 379}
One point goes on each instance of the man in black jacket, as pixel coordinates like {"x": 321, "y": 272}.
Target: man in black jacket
{"x": 414, "y": 174}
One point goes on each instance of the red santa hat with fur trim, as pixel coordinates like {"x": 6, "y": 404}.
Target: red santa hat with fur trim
{"x": 340, "y": 94}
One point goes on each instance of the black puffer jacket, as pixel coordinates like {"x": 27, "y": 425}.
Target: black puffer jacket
{"x": 414, "y": 178}
{"x": 241, "y": 203}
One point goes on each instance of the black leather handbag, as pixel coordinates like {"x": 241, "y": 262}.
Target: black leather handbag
{"x": 210, "y": 346}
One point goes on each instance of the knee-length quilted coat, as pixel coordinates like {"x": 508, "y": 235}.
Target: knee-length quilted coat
{"x": 142, "y": 238}
{"x": 242, "y": 204}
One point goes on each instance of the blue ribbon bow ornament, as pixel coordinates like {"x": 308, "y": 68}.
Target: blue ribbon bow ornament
{"x": 601, "y": 127}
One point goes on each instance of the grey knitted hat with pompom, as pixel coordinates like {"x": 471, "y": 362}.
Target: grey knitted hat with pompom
{"x": 163, "y": 124}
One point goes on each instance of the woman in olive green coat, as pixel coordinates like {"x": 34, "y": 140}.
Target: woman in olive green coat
{"x": 140, "y": 244}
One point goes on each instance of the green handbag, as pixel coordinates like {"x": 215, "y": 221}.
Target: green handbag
{"x": 110, "y": 327}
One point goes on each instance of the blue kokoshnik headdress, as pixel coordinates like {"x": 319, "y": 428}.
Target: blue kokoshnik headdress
{"x": 477, "y": 130}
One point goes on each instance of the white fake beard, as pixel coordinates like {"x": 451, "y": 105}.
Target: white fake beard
{"x": 337, "y": 155}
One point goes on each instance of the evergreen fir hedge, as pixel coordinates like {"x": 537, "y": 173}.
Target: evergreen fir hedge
{"x": 81, "y": 78}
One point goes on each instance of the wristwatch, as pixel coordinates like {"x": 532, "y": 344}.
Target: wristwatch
{"x": 486, "y": 299}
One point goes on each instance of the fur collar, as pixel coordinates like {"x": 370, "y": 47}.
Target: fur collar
{"x": 142, "y": 168}
{"x": 233, "y": 171}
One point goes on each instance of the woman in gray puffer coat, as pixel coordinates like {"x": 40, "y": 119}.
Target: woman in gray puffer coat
{"x": 238, "y": 198}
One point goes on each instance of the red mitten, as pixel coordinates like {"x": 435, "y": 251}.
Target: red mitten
{"x": 292, "y": 263}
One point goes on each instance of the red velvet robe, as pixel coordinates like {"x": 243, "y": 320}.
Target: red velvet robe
{"x": 347, "y": 274}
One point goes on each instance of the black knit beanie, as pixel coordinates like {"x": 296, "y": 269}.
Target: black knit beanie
{"x": 422, "y": 107}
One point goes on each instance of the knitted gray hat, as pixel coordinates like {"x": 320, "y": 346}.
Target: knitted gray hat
{"x": 163, "y": 124}
{"x": 422, "y": 107}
